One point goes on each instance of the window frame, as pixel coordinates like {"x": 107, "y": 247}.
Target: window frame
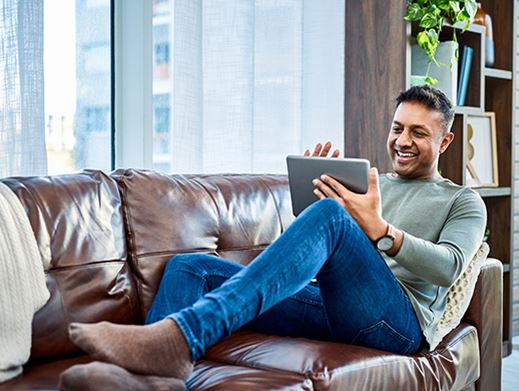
{"x": 132, "y": 78}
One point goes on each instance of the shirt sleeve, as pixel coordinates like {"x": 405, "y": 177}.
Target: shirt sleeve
{"x": 443, "y": 262}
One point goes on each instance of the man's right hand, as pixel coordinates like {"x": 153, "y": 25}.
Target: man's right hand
{"x": 322, "y": 151}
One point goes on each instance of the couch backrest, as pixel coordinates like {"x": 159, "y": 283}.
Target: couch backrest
{"x": 108, "y": 238}
{"x": 233, "y": 216}
{"x": 78, "y": 225}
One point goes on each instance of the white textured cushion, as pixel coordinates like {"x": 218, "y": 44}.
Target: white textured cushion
{"x": 459, "y": 296}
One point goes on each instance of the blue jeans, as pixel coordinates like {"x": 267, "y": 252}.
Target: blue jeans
{"x": 357, "y": 299}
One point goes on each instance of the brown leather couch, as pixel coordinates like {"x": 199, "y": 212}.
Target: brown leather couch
{"x": 109, "y": 238}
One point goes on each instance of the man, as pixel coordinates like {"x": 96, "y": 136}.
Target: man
{"x": 383, "y": 260}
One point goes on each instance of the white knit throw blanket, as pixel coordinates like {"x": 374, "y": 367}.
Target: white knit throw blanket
{"x": 23, "y": 289}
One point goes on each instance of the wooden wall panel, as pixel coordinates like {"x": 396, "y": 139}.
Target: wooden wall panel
{"x": 375, "y": 65}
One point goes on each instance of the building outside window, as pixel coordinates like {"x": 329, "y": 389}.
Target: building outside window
{"x": 77, "y": 67}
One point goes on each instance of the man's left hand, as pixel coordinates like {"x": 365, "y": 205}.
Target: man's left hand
{"x": 366, "y": 209}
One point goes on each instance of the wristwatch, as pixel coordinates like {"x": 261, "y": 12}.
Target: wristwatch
{"x": 386, "y": 242}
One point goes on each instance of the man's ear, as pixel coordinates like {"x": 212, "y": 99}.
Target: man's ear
{"x": 446, "y": 141}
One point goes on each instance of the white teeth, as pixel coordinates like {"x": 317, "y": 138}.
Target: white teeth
{"x": 405, "y": 154}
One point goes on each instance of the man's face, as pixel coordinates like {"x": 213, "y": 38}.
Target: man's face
{"x": 416, "y": 140}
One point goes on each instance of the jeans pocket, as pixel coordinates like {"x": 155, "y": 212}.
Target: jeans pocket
{"x": 384, "y": 337}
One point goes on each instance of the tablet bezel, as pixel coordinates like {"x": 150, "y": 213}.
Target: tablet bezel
{"x": 351, "y": 172}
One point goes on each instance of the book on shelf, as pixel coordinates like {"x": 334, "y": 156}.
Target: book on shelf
{"x": 465, "y": 65}
{"x": 446, "y": 75}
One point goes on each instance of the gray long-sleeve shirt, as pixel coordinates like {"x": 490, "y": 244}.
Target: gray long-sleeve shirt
{"x": 443, "y": 226}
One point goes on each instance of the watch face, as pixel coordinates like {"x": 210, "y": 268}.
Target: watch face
{"x": 385, "y": 243}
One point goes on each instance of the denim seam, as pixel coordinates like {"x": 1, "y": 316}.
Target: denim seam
{"x": 202, "y": 275}
{"x": 251, "y": 282}
{"x": 406, "y": 341}
{"x": 188, "y": 334}
{"x": 392, "y": 329}
{"x": 342, "y": 222}
{"x": 306, "y": 301}
{"x": 340, "y": 219}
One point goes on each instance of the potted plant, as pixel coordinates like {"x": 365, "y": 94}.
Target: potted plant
{"x": 430, "y": 16}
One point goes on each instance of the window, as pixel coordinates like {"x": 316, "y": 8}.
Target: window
{"x": 161, "y": 44}
{"x": 161, "y": 125}
{"x": 253, "y": 82}
{"x": 77, "y": 72}
{"x": 96, "y": 118}
{"x": 95, "y": 56}
{"x": 258, "y": 80}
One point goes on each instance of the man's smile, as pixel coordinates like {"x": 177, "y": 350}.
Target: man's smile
{"x": 405, "y": 157}
{"x": 405, "y": 153}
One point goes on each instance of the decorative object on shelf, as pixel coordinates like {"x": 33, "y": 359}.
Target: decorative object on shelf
{"x": 431, "y": 14}
{"x": 464, "y": 72}
{"x": 447, "y": 77}
{"x": 481, "y": 141}
{"x": 485, "y": 19}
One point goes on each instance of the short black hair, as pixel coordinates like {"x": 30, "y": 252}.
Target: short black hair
{"x": 431, "y": 98}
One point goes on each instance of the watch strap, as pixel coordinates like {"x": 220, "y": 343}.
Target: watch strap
{"x": 390, "y": 231}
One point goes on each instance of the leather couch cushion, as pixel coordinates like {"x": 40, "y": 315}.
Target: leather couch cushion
{"x": 78, "y": 225}
{"x": 223, "y": 377}
{"x": 335, "y": 366}
{"x": 234, "y": 216}
{"x": 206, "y": 376}
{"x": 42, "y": 376}
{"x": 260, "y": 362}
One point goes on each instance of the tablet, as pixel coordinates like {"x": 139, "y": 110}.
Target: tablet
{"x": 352, "y": 173}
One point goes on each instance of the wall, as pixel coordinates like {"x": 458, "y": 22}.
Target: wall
{"x": 516, "y": 187}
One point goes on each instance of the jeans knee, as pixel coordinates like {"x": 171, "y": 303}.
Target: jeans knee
{"x": 327, "y": 212}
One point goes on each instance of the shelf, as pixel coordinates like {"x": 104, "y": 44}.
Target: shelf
{"x": 470, "y": 110}
{"x": 474, "y": 28}
{"x": 498, "y": 74}
{"x": 493, "y": 191}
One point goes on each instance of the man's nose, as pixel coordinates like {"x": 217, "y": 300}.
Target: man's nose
{"x": 404, "y": 139}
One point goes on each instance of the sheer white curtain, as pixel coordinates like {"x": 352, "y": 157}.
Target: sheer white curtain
{"x": 254, "y": 81}
{"x": 22, "y": 123}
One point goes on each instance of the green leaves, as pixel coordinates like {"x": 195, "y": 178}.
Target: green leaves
{"x": 414, "y": 12}
{"x": 428, "y": 41}
{"x": 431, "y": 81}
{"x": 471, "y": 7}
{"x": 430, "y": 15}
{"x": 428, "y": 21}
{"x": 454, "y": 6}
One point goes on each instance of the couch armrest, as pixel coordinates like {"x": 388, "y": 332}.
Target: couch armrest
{"x": 485, "y": 312}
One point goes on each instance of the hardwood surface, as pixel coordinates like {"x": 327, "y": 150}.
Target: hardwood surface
{"x": 375, "y": 73}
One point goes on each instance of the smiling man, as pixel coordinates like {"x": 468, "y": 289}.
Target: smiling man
{"x": 383, "y": 260}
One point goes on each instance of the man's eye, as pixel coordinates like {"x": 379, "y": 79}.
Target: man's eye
{"x": 419, "y": 134}
{"x": 397, "y": 130}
